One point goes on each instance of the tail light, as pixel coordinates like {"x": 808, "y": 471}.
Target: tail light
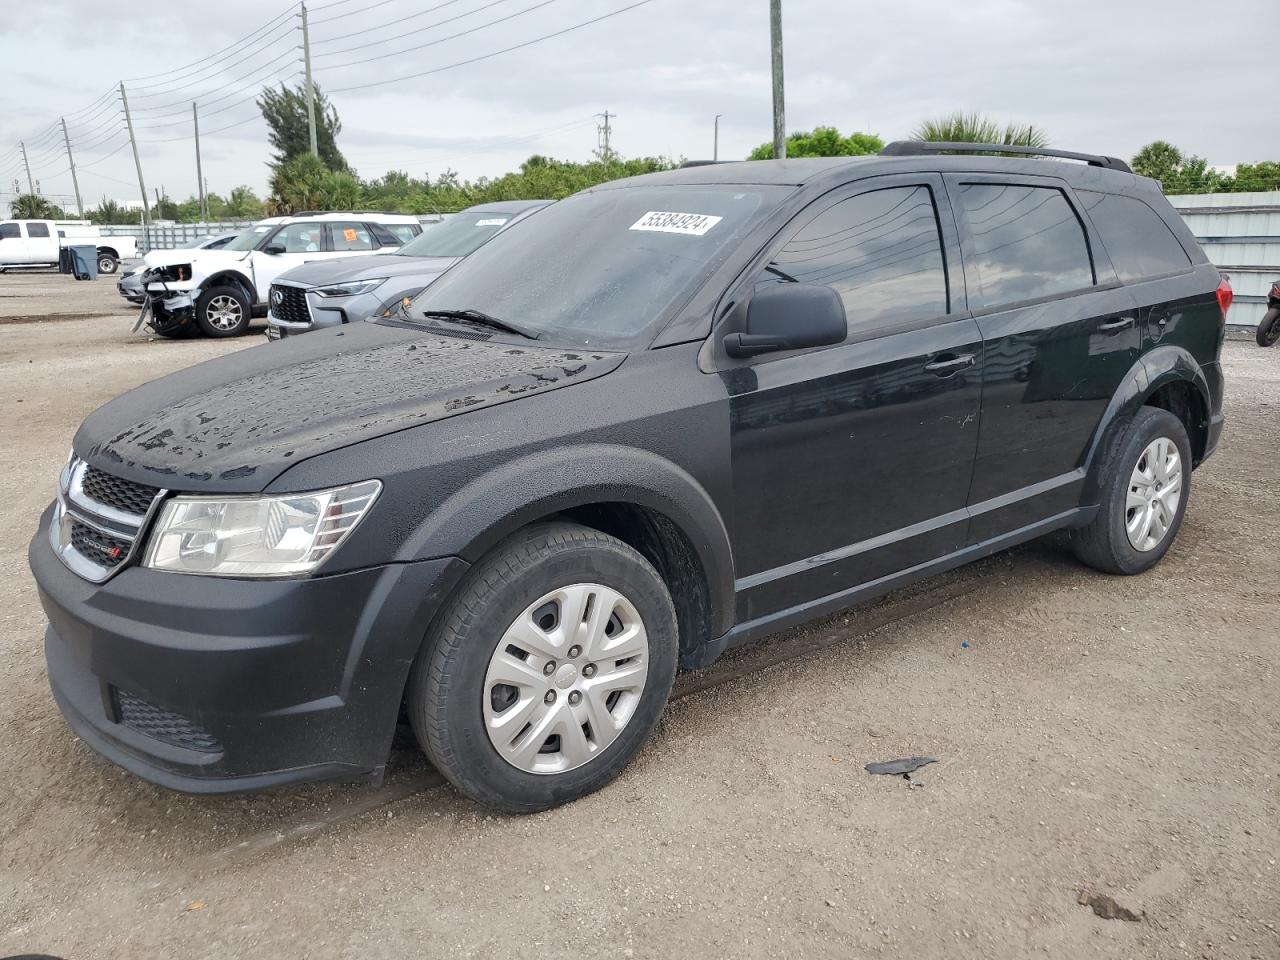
{"x": 1225, "y": 295}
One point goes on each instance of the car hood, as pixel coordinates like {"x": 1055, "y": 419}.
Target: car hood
{"x": 206, "y": 260}
{"x": 235, "y": 423}
{"x": 347, "y": 269}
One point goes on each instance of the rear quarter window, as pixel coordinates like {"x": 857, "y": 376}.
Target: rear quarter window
{"x": 37, "y": 230}
{"x": 1025, "y": 242}
{"x": 1140, "y": 243}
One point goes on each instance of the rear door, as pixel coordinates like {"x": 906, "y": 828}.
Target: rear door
{"x": 853, "y": 462}
{"x": 1059, "y": 335}
{"x": 42, "y": 243}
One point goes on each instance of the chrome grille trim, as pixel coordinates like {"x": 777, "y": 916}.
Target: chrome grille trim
{"x": 74, "y": 506}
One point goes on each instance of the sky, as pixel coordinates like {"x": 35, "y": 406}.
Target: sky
{"x": 1104, "y": 77}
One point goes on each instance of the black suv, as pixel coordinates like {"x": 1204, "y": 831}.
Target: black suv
{"x": 668, "y": 415}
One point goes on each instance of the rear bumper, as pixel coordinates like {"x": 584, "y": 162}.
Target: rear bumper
{"x": 212, "y": 685}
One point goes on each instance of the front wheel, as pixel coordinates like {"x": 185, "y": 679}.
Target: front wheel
{"x": 1144, "y": 484}
{"x": 107, "y": 263}
{"x": 548, "y": 671}
{"x": 222, "y": 312}
{"x": 1269, "y": 328}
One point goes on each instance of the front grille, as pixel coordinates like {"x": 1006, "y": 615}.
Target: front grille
{"x": 98, "y": 519}
{"x": 98, "y": 547}
{"x": 114, "y": 492}
{"x": 289, "y": 304}
{"x": 160, "y": 724}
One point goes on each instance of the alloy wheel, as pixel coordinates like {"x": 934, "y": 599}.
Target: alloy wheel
{"x": 565, "y": 678}
{"x": 1155, "y": 491}
{"x": 224, "y": 312}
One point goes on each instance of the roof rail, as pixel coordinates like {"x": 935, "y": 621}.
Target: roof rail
{"x": 323, "y": 213}
{"x": 919, "y": 148}
{"x": 702, "y": 163}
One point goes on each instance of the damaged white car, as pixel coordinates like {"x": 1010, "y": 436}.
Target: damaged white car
{"x": 217, "y": 292}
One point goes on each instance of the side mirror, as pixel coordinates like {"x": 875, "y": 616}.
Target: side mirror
{"x": 790, "y": 316}
{"x": 275, "y": 249}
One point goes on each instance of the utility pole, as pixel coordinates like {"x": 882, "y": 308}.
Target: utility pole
{"x": 137, "y": 162}
{"x": 779, "y": 100}
{"x": 605, "y": 131}
{"x": 75, "y": 182}
{"x": 31, "y": 187}
{"x": 195, "y": 122}
{"x": 311, "y": 90}
{"x": 715, "y": 143}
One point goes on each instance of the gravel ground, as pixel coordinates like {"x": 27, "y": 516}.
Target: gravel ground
{"x": 1106, "y": 736}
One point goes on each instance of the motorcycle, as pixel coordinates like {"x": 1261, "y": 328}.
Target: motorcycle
{"x": 1269, "y": 328}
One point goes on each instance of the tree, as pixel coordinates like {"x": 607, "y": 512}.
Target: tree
{"x": 1178, "y": 172}
{"x": 31, "y": 206}
{"x": 823, "y": 142}
{"x": 305, "y": 183}
{"x": 242, "y": 204}
{"x": 961, "y": 127}
{"x": 108, "y": 211}
{"x": 1258, "y": 176}
{"x": 285, "y": 111}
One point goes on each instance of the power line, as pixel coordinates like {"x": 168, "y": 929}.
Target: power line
{"x": 217, "y": 69}
{"x": 495, "y": 53}
{"x": 349, "y": 13}
{"x": 383, "y": 26}
{"x": 217, "y": 53}
{"x": 431, "y": 43}
{"x": 408, "y": 33}
{"x": 254, "y": 86}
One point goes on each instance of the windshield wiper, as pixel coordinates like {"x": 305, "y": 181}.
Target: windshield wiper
{"x": 786, "y": 277}
{"x": 481, "y": 320}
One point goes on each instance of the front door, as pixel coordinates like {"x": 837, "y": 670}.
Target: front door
{"x": 853, "y": 462}
{"x": 13, "y": 245}
{"x": 301, "y": 242}
{"x": 1060, "y": 335}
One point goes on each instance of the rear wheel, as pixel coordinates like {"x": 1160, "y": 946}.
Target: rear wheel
{"x": 1145, "y": 482}
{"x": 222, "y": 312}
{"x": 107, "y": 263}
{"x": 1269, "y": 328}
{"x": 548, "y": 671}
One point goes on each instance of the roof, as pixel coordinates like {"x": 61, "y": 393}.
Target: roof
{"x": 803, "y": 171}
{"x": 509, "y": 206}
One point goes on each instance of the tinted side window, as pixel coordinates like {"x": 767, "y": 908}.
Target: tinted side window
{"x": 350, "y": 236}
{"x": 1025, "y": 242}
{"x": 9, "y": 231}
{"x": 37, "y": 229}
{"x": 881, "y": 251}
{"x": 1140, "y": 243}
{"x": 384, "y": 236}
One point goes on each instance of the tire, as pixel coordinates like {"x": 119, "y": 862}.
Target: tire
{"x": 107, "y": 263}
{"x": 223, "y": 311}
{"x": 1269, "y": 328}
{"x": 494, "y": 627}
{"x": 1152, "y": 440}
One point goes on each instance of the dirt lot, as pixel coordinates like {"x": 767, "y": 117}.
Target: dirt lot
{"x": 1117, "y": 736}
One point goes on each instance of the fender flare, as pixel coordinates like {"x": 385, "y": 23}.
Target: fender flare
{"x": 519, "y": 492}
{"x": 1155, "y": 369}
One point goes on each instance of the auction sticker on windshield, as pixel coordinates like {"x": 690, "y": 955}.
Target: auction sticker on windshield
{"x": 689, "y": 224}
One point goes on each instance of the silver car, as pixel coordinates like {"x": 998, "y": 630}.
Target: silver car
{"x": 327, "y": 293}
{"x": 129, "y": 284}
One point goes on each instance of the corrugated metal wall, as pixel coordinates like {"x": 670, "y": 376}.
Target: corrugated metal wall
{"x": 1240, "y": 232}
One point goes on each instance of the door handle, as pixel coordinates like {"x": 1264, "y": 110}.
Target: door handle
{"x": 1115, "y": 326}
{"x": 950, "y": 365}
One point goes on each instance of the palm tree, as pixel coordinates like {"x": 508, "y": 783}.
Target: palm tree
{"x": 30, "y": 206}
{"x": 961, "y": 127}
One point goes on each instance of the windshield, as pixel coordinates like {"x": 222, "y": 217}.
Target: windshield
{"x": 602, "y": 268}
{"x": 251, "y": 237}
{"x": 458, "y": 236}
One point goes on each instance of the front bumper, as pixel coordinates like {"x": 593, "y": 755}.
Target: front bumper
{"x": 213, "y": 685}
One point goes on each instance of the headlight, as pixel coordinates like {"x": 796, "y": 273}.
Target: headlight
{"x": 274, "y": 536}
{"x": 352, "y": 289}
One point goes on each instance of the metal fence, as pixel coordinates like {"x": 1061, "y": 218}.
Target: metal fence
{"x": 169, "y": 236}
{"x": 1240, "y": 232}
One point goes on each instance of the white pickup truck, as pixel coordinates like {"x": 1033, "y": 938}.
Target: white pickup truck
{"x": 35, "y": 243}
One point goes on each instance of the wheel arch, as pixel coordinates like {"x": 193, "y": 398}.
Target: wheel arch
{"x": 637, "y": 496}
{"x": 108, "y": 250}
{"x": 230, "y": 278}
{"x": 1168, "y": 377}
